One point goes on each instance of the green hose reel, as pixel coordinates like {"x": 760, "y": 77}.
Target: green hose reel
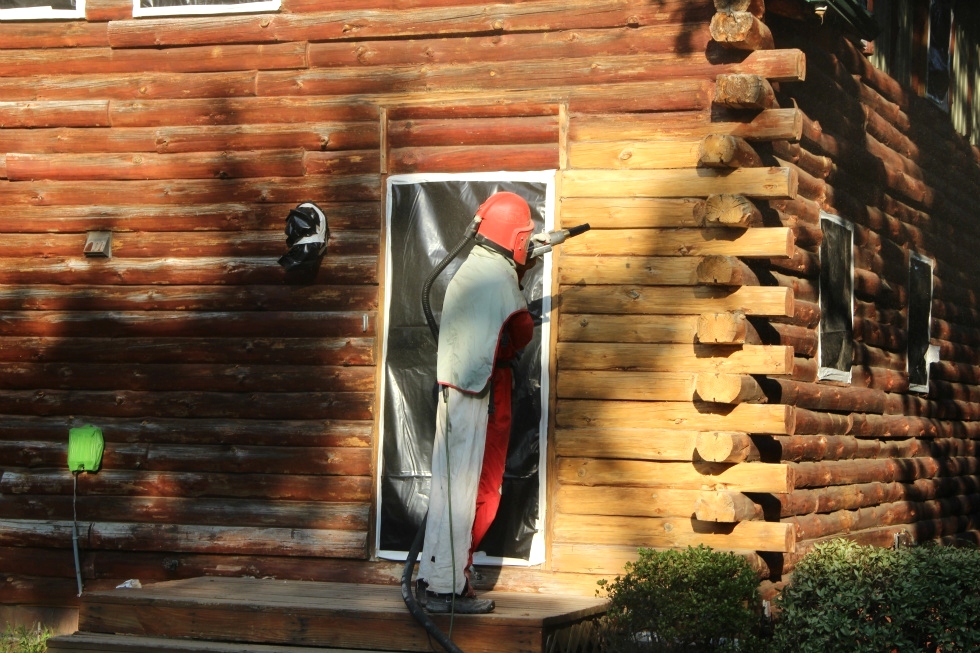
{"x": 85, "y": 447}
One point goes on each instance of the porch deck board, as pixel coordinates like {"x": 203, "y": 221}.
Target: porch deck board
{"x": 315, "y": 615}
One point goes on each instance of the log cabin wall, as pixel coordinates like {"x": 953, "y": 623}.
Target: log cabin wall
{"x": 238, "y": 404}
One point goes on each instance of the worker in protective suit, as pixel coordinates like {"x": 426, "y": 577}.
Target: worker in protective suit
{"x": 485, "y": 322}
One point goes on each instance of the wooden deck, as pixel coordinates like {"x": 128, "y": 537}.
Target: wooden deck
{"x": 219, "y": 615}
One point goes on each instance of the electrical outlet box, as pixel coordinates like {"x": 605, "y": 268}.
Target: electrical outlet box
{"x": 98, "y": 244}
{"x": 85, "y": 447}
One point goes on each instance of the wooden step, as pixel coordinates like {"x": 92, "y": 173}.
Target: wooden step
{"x": 105, "y": 643}
{"x": 318, "y": 616}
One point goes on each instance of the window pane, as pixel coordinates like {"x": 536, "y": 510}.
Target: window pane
{"x": 836, "y": 305}
{"x": 920, "y": 306}
{"x": 937, "y": 75}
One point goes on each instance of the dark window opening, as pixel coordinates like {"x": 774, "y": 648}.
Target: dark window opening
{"x": 835, "y": 347}
{"x": 920, "y": 314}
{"x": 937, "y": 65}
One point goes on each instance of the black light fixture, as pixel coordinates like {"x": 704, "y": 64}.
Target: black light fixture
{"x": 306, "y": 237}
{"x": 852, "y": 12}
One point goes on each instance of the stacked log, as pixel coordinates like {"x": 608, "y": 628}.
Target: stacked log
{"x": 671, "y": 273}
{"x": 869, "y": 461}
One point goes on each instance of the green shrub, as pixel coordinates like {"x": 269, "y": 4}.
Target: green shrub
{"x": 24, "y": 640}
{"x": 865, "y": 599}
{"x": 696, "y": 600}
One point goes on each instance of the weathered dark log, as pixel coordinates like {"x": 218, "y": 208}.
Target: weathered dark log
{"x": 808, "y": 422}
{"x": 401, "y": 22}
{"x": 293, "y": 405}
{"x": 849, "y": 472}
{"x": 779, "y": 65}
{"x": 112, "y": 482}
{"x": 341, "y": 216}
{"x": 353, "y": 461}
{"x": 801, "y": 262}
{"x": 853, "y": 497}
{"x": 821, "y": 167}
{"x": 741, "y": 30}
{"x": 218, "y": 512}
{"x": 823, "y": 397}
{"x": 744, "y": 92}
{"x": 193, "y": 191}
{"x": 157, "y": 346}
{"x": 179, "y": 376}
{"x": 509, "y": 46}
{"x": 286, "y": 433}
{"x": 473, "y": 158}
{"x": 756, "y": 7}
{"x": 888, "y": 514}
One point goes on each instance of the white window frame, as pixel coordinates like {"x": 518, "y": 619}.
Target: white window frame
{"x": 206, "y": 9}
{"x": 44, "y": 13}
{"x": 832, "y": 373}
{"x": 931, "y": 353}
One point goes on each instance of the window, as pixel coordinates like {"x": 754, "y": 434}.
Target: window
{"x": 427, "y": 216}
{"x": 920, "y": 354}
{"x": 41, "y": 9}
{"x": 834, "y": 345}
{"x": 184, "y": 7}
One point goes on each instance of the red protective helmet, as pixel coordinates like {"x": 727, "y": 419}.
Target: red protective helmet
{"x": 507, "y": 223}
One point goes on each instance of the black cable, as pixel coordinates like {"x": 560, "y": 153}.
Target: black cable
{"x": 413, "y": 553}
{"x": 409, "y": 596}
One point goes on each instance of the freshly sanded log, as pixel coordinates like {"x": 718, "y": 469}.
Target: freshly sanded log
{"x": 610, "y": 559}
{"x": 741, "y": 30}
{"x": 673, "y": 533}
{"x": 727, "y": 507}
{"x": 730, "y": 328}
{"x": 729, "y": 388}
{"x": 755, "y": 418}
{"x": 724, "y": 446}
{"x": 730, "y": 211}
{"x": 727, "y": 151}
{"x": 725, "y": 271}
{"x": 764, "y": 182}
{"x": 744, "y": 92}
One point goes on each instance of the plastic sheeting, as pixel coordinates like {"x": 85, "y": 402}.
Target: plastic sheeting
{"x": 427, "y": 220}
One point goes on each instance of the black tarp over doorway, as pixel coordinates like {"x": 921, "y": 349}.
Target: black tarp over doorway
{"x": 427, "y": 217}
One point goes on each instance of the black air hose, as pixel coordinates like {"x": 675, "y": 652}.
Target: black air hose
{"x": 431, "y": 279}
{"x": 409, "y": 596}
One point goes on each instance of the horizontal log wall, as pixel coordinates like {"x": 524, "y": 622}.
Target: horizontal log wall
{"x": 239, "y": 404}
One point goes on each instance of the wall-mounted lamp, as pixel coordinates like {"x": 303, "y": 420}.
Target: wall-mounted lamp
{"x": 98, "y": 244}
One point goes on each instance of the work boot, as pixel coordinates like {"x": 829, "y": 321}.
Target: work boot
{"x": 420, "y": 591}
{"x": 446, "y": 603}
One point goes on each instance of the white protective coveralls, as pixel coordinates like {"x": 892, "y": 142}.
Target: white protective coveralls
{"x": 480, "y": 298}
